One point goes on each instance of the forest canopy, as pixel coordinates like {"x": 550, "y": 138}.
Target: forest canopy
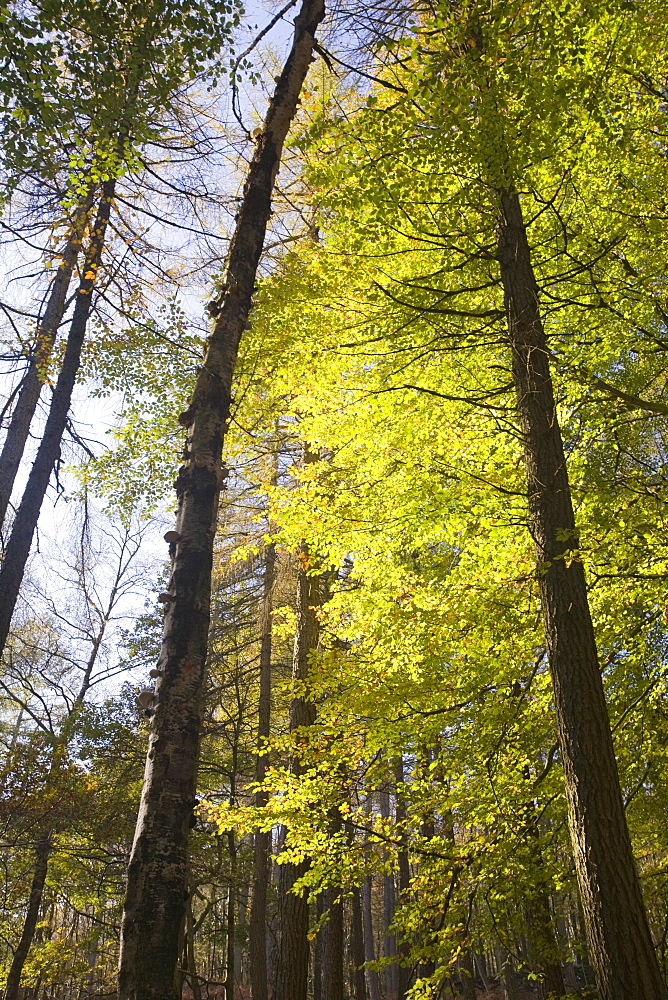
{"x": 364, "y": 310}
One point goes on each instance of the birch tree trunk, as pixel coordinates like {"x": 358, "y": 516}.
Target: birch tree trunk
{"x": 156, "y": 881}
{"x": 620, "y": 943}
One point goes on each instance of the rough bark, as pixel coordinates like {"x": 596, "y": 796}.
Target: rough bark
{"x": 618, "y": 934}
{"x": 42, "y": 851}
{"x": 257, "y": 935}
{"x": 27, "y": 516}
{"x": 293, "y": 953}
{"x": 157, "y": 871}
{"x": 34, "y": 378}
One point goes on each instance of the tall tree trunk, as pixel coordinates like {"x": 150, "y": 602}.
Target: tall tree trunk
{"x": 156, "y": 879}
{"x": 33, "y": 380}
{"x": 403, "y": 948}
{"x": 317, "y": 951}
{"x": 42, "y": 851}
{"x": 389, "y": 904}
{"x": 230, "y": 918}
{"x": 357, "y": 945}
{"x": 332, "y": 932}
{"x": 293, "y": 953}
{"x": 618, "y": 934}
{"x": 241, "y": 934}
{"x": 27, "y": 516}
{"x": 369, "y": 940}
{"x": 257, "y": 942}
{"x": 332, "y": 946}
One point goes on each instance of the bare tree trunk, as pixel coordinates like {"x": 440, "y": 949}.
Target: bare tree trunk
{"x": 618, "y": 934}
{"x": 42, "y": 851}
{"x": 157, "y": 871}
{"x": 27, "y": 516}
{"x": 261, "y": 840}
{"x": 33, "y": 380}
{"x": 293, "y": 952}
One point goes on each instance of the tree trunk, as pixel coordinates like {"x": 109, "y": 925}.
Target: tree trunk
{"x": 257, "y": 934}
{"x": 506, "y": 973}
{"x": 317, "y": 952}
{"x": 241, "y": 934}
{"x": 230, "y": 926}
{"x": 191, "y": 962}
{"x": 369, "y": 940}
{"x": 293, "y": 953}
{"x": 33, "y": 380}
{"x": 403, "y": 946}
{"x": 481, "y": 965}
{"x": 27, "y": 516}
{"x": 357, "y": 945}
{"x": 332, "y": 946}
{"x": 389, "y": 904}
{"x": 467, "y": 975}
{"x": 42, "y": 851}
{"x": 618, "y": 934}
{"x": 157, "y": 871}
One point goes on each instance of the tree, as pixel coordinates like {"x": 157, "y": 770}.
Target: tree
{"x": 154, "y": 903}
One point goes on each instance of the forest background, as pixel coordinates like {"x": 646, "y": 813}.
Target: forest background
{"x": 405, "y": 762}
